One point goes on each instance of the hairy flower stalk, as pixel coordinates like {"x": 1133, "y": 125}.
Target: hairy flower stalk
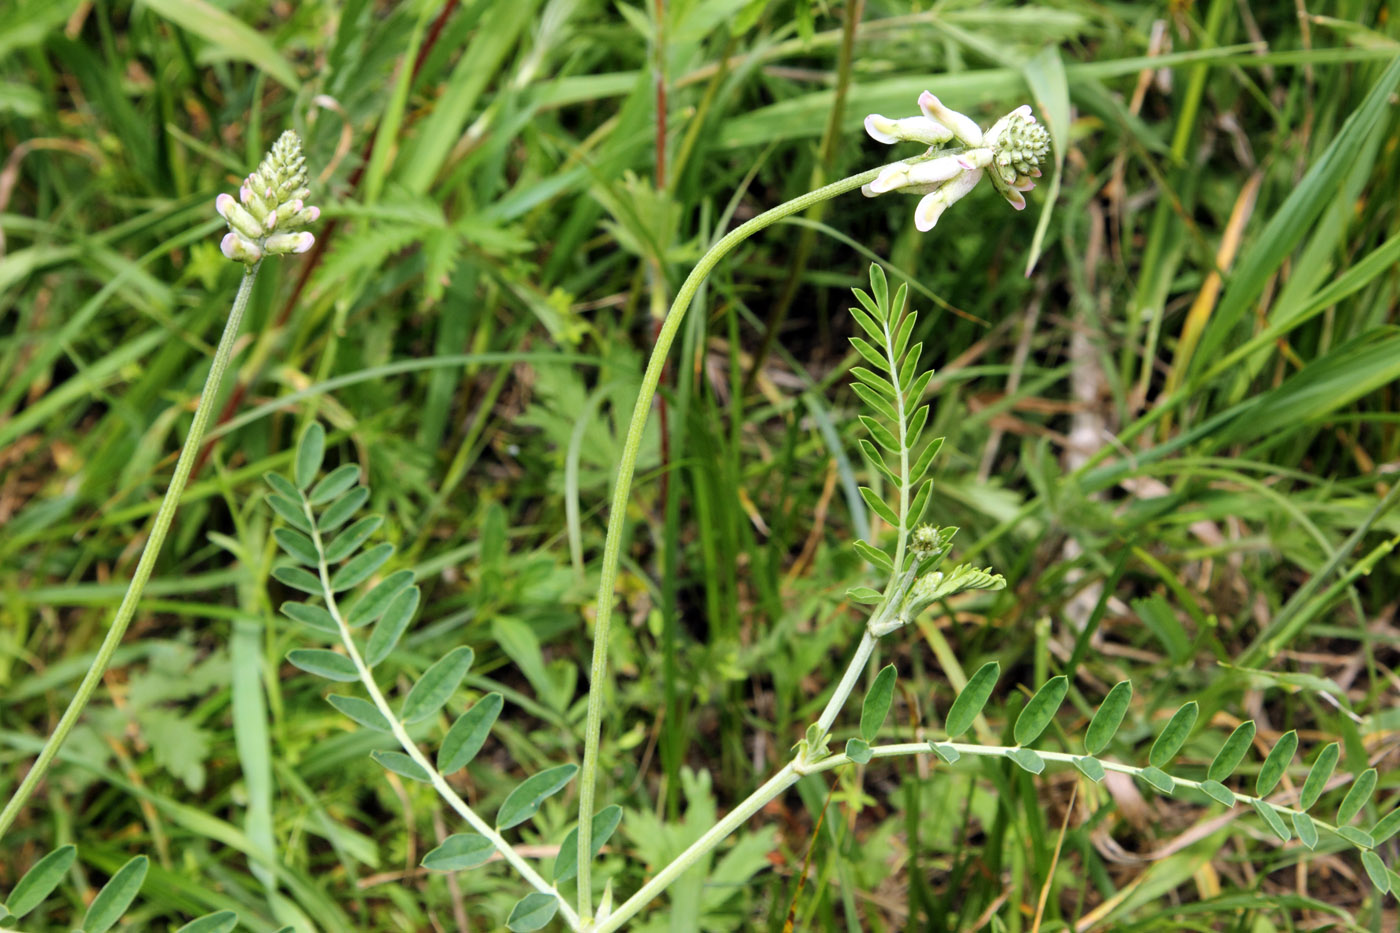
{"x": 1010, "y": 154}
{"x": 267, "y": 223}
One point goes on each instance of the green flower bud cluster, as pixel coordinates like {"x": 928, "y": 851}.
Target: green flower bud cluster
{"x": 271, "y": 210}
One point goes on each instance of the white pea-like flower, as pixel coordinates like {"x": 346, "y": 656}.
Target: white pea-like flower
{"x": 1010, "y": 154}
{"x": 271, "y": 209}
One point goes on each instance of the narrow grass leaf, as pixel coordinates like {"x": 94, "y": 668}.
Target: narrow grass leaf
{"x": 1027, "y": 759}
{"x": 1321, "y": 772}
{"x": 1306, "y": 829}
{"x": 605, "y": 823}
{"x": 297, "y": 545}
{"x": 359, "y": 568}
{"x": 39, "y": 882}
{"x": 233, "y": 37}
{"x": 297, "y": 579}
{"x": 1375, "y": 868}
{"x": 1041, "y": 709}
{"x": 1280, "y": 757}
{"x": 116, "y": 896}
{"x": 310, "y": 452}
{"x": 878, "y": 506}
{"x": 391, "y": 625}
{"x": 858, "y": 750}
{"x": 323, "y": 663}
{"x": 468, "y": 734}
{"x": 402, "y": 765}
{"x": 974, "y": 696}
{"x": 1158, "y": 779}
{"x": 334, "y": 483}
{"x": 372, "y": 605}
{"x": 311, "y": 616}
{"x": 1270, "y": 815}
{"x": 1091, "y": 768}
{"x": 291, "y": 512}
{"x": 1356, "y": 797}
{"x": 349, "y": 540}
{"x": 459, "y": 852}
{"x": 532, "y": 912}
{"x": 1108, "y": 718}
{"x": 340, "y": 511}
{"x": 1386, "y": 827}
{"x": 1174, "y": 736}
{"x": 361, "y": 711}
{"x": 876, "y": 705}
{"x": 1232, "y": 752}
{"x": 1357, "y": 837}
{"x": 523, "y": 802}
{"x": 437, "y": 685}
{"x": 223, "y": 921}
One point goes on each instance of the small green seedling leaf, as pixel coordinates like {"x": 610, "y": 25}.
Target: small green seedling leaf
{"x": 349, "y": 540}
{"x": 1174, "y": 736}
{"x": 1376, "y": 869}
{"x": 372, "y": 605}
{"x": 468, "y": 733}
{"x": 605, "y": 823}
{"x": 974, "y": 696}
{"x": 323, "y": 663}
{"x": 1280, "y": 756}
{"x": 310, "y": 452}
{"x": 1218, "y": 792}
{"x": 1041, "y": 709}
{"x": 1027, "y": 759}
{"x": 1270, "y": 815}
{"x": 1319, "y": 775}
{"x": 297, "y": 579}
{"x": 524, "y": 802}
{"x": 39, "y": 882}
{"x": 437, "y": 685}
{"x": 1091, "y": 768}
{"x": 1158, "y": 779}
{"x": 361, "y": 711}
{"x": 222, "y": 921}
{"x": 334, "y": 483}
{"x": 359, "y": 568}
{"x": 858, "y": 751}
{"x": 391, "y": 626}
{"x": 1356, "y": 797}
{"x": 946, "y": 753}
{"x": 311, "y": 616}
{"x": 1232, "y": 752}
{"x": 459, "y": 852}
{"x": 877, "y": 704}
{"x": 116, "y": 896}
{"x": 532, "y": 912}
{"x": 1109, "y": 717}
{"x": 402, "y": 765}
{"x": 1306, "y": 829}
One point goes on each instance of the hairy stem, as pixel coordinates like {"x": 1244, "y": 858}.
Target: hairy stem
{"x": 147, "y": 562}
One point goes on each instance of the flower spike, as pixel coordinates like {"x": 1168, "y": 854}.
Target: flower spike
{"x": 268, "y": 216}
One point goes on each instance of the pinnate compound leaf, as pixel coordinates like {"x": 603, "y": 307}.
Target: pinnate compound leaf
{"x": 1375, "y": 868}
{"x": 879, "y": 286}
{"x": 1109, "y": 717}
{"x": 402, "y": 765}
{"x": 877, "y": 703}
{"x": 916, "y": 508}
{"x": 437, "y": 685}
{"x": 459, "y": 852}
{"x": 391, "y": 625}
{"x": 1319, "y": 775}
{"x": 297, "y": 545}
{"x": 877, "y": 460}
{"x": 1174, "y": 736}
{"x": 532, "y": 912}
{"x": 858, "y": 750}
{"x": 1280, "y": 756}
{"x": 1091, "y": 768}
{"x": 1158, "y": 778}
{"x": 926, "y": 459}
{"x": 1218, "y": 792}
{"x": 914, "y": 392}
{"x": 291, "y": 513}
{"x": 873, "y": 554}
{"x": 316, "y": 617}
{"x": 372, "y": 605}
{"x": 1041, "y": 709}
{"x": 310, "y": 452}
{"x": 1232, "y": 752}
{"x": 880, "y": 434}
{"x": 297, "y": 579}
{"x": 875, "y": 381}
{"x": 361, "y": 711}
{"x": 359, "y": 568}
{"x": 283, "y": 487}
{"x": 1356, "y": 797}
{"x": 1387, "y": 826}
{"x": 340, "y": 511}
{"x": 223, "y": 921}
{"x": 974, "y": 696}
{"x": 468, "y": 734}
{"x": 39, "y": 882}
{"x": 1027, "y": 759}
{"x": 946, "y": 753}
{"x": 1270, "y": 815}
{"x": 875, "y": 400}
{"x": 1357, "y": 837}
{"x": 872, "y": 356}
{"x": 869, "y": 325}
{"x": 1306, "y": 829}
{"x": 334, "y": 483}
{"x": 349, "y": 540}
{"x": 116, "y": 896}
{"x": 323, "y": 663}
{"x": 605, "y": 823}
{"x": 878, "y": 506}
{"x": 523, "y": 802}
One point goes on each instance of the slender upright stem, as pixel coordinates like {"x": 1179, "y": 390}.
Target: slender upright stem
{"x": 617, "y": 517}
{"x": 146, "y": 564}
